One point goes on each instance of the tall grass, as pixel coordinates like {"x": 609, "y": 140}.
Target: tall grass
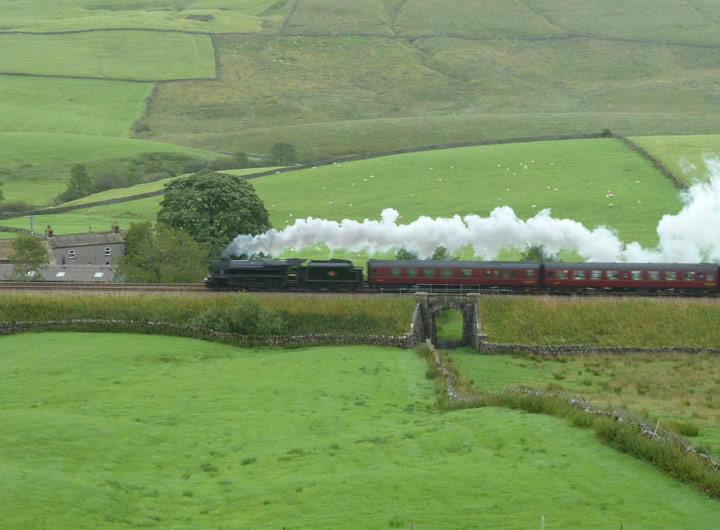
{"x": 245, "y": 314}
{"x": 633, "y": 322}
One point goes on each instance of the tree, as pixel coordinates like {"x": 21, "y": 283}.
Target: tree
{"x": 2, "y": 197}
{"x": 241, "y": 159}
{"x": 283, "y": 154}
{"x": 79, "y": 185}
{"x": 403, "y": 253}
{"x": 28, "y": 257}
{"x": 213, "y": 208}
{"x": 161, "y": 255}
{"x": 536, "y": 253}
{"x": 442, "y": 254}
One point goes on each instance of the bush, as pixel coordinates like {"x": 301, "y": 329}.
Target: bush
{"x": 14, "y": 207}
{"x": 193, "y": 166}
{"x": 109, "y": 180}
{"x": 220, "y": 164}
{"x": 243, "y": 315}
{"x": 685, "y": 429}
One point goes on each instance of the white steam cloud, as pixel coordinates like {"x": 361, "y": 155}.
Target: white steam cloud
{"x": 691, "y": 236}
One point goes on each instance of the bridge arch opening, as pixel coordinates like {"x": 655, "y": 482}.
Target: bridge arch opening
{"x": 449, "y": 324}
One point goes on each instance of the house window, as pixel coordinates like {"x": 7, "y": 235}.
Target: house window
{"x": 108, "y": 251}
{"x": 71, "y": 254}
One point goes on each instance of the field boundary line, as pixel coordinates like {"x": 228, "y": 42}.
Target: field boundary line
{"x": 287, "y": 18}
{"x": 655, "y": 161}
{"x": 93, "y": 78}
{"x": 458, "y": 36}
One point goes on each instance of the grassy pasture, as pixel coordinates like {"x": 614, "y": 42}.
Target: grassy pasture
{"x": 35, "y": 167}
{"x": 462, "y": 181}
{"x": 143, "y": 55}
{"x": 684, "y": 154}
{"x": 337, "y": 95}
{"x": 475, "y": 180}
{"x": 37, "y": 104}
{"x": 226, "y": 15}
{"x": 150, "y": 430}
{"x": 674, "y": 389}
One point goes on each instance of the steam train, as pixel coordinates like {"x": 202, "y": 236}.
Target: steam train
{"x": 465, "y": 276}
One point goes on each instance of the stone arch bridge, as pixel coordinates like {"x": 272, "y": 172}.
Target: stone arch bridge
{"x": 427, "y": 306}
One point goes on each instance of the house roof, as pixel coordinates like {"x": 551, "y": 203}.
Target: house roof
{"x": 70, "y": 273}
{"x": 86, "y": 239}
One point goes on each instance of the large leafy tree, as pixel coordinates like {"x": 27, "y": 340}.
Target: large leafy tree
{"x": 213, "y": 208}
{"x": 29, "y": 255}
{"x": 161, "y": 255}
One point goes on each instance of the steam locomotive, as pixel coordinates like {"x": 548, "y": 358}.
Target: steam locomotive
{"x": 421, "y": 275}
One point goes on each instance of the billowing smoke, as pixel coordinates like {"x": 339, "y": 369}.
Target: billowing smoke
{"x": 691, "y": 236}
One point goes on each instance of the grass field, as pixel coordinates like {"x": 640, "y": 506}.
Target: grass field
{"x": 337, "y": 95}
{"x": 678, "y": 389}
{"x": 33, "y": 104}
{"x": 123, "y": 430}
{"x": 684, "y": 154}
{"x": 447, "y": 182}
{"x": 35, "y": 167}
{"x": 143, "y": 55}
{"x": 225, "y": 15}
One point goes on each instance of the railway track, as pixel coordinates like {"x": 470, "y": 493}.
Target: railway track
{"x": 99, "y": 287}
{"x": 201, "y": 289}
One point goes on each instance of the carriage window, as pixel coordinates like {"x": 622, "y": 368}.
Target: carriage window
{"x": 612, "y": 275}
{"x": 488, "y": 273}
{"x": 671, "y": 276}
{"x": 562, "y": 275}
{"x": 395, "y": 271}
{"x": 428, "y": 273}
{"x": 689, "y": 276}
{"x": 71, "y": 254}
{"x": 505, "y": 274}
{"x": 654, "y": 275}
{"x": 710, "y": 277}
{"x": 496, "y": 274}
{"x": 578, "y": 275}
{"x": 446, "y": 273}
{"x": 596, "y": 275}
{"x": 636, "y": 275}
{"x": 412, "y": 272}
{"x": 514, "y": 274}
{"x": 529, "y": 273}
{"x": 701, "y": 276}
{"x": 466, "y": 273}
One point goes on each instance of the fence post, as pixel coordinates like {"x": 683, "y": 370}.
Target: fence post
{"x": 542, "y": 522}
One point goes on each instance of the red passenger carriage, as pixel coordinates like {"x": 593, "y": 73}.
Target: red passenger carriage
{"x": 630, "y": 276}
{"x": 454, "y": 274}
